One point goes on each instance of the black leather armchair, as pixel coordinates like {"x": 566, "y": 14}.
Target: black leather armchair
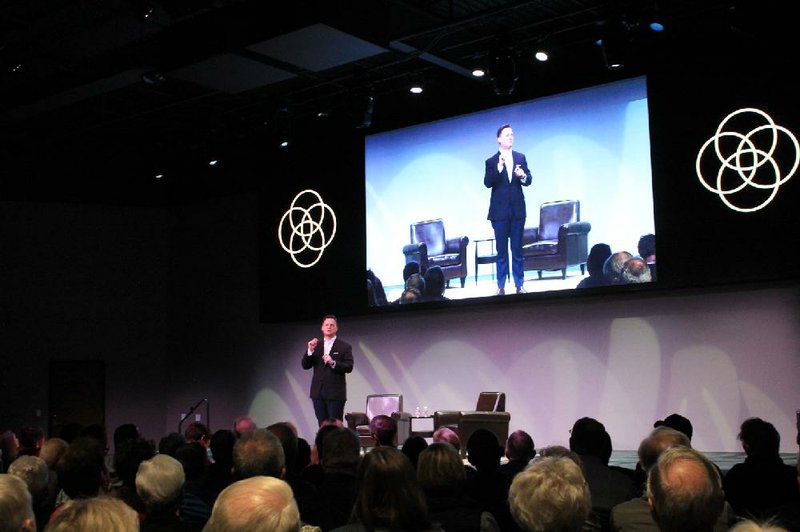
{"x": 489, "y": 414}
{"x": 560, "y": 241}
{"x": 429, "y": 247}
{"x": 389, "y": 404}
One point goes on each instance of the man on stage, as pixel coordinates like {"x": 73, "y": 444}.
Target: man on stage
{"x": 506, "y": 173}
{"x": 331, "y": 359}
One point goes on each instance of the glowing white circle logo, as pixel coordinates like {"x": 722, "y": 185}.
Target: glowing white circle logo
{"x": 749, "y": 165}
{"x": 304, "y": 226}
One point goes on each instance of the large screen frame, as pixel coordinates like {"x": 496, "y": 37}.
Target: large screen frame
{"x": 591, "y": 145}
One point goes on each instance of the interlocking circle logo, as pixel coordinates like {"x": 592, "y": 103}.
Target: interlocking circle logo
{"x": 756, "y": 160}
{"x": 309, "y": 226}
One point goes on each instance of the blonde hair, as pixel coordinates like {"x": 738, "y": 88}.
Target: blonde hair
{"x": 255, "y": 504}
{"x": 16, "y": 507}
{"x": 95, "y": 513}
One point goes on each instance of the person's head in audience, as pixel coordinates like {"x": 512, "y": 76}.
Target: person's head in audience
{"x": 612, "y": 267}
{"x": 81, "y": 470}
{"x": 435, "y": 284}
{"x": 659, "y": 440}
{"x": 317, "y": 450}
{"x": 751, "y": 525}
{"x": 303, "y": 453}
{"x": 258, "y": 452}
{"x": 221, "y": 446}
{"x": 559, "y": 451}
{"x": 759, "y": 438}
{"x": 389, "y": 495}
{"x": 34, "y": 472}
{"x": 169, "y": 444}
{"x": 52, "y": 450}
{"x": 159, "y": 484}
{"x": 383, "y": 430}
{"x": 98, "y": 433}
{"x": 409, "y": 269}
{"x": 647, "y": 248}
{"x": 410, "y": 295}
{"x": 342, "y": 451}
{"x": 128, "y": 456}
{"x": 9, "y": 447}
{"x": 16, "y": 506}
{"x": 96, "y": 513}
{"x": 379, "y": 292}
{"x": 412, "y": 447}
{"x": 520, "y": 447}
{"x": 125, "y": 432}
{"x": 256, "y": 504}
{"x": 199, "y": 432}
{"x": 440, "y": 469}
{"x": 288, "y": 440}
{"x": 677, "y": 422}
{"x": 484, "y": 450}
{"x": 31, "y": 439}
{"x": 588, "y": 437}
{"x": 684, "y": 491}
{"x": 243, "y": 424}
{"x": 447, "y": 435}
{"x": 597, "y": 258}
{"x": 635, "y": 271}
{"x": 194, "y": 459}
{"x": 551, "y": 494}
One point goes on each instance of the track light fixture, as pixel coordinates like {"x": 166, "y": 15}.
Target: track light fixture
{"x": 283, "y": 127}
{"x": 502, "y": 69}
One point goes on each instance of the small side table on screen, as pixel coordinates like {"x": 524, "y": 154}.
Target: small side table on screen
{"x": 485, "y": 258}
{"x": 422, "y": 426}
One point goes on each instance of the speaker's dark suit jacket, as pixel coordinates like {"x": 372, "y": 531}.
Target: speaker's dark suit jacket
{"x": 507, "y": 201}
{"x": 326, "y": 379}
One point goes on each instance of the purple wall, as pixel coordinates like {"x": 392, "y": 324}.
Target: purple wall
{"x": 170, "y": 300}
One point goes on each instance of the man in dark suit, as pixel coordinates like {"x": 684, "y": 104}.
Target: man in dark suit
{"x": 331, "y": 359}
{"x": 506, "y": 173}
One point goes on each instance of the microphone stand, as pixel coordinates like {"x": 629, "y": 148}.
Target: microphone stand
{"x": 191, "y": 411}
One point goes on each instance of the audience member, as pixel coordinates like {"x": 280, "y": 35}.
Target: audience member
{"x": 389, "y": 496}
{"x": 313, "y": 471}
{"x": 159, "y": 485}
{"x": 594, "y": 265}
{"x": 258, "y": 452}
{"x": 447, "y": 435}
{"x": 9, "y": 447}
{"x": 256, "y": 504}
{"x": 52, "y": 450}
{"x": 485, "y": 483}
{"x": 677, "y": 422}
{"x": 31, "y": 439}
{"x": 435, "y": 284}
{"x": 550, "y": 495}
{"x": 378, "y": 292}
{"x": 36, "y": 475}
{"x": 412, "y": 447}
{"x": 750, "y": 525}
{"x": 559, "y": 451}
{"x": 684, "y": 491}
{"x": 520, "y": 450}
{"x": 612, "y": 267}
{"x": 127, "y": 458}
{"x": 243, "y": 424}
{"x": 16, "y": 508}
{"x": 220, "y": 471}
{"x": 169, "y": 444}
{"x": 609, "y": 487}
{"x": 762, "y": 482}
{"x": 410, "y": 295}
{"x": 197, "y": 497}
{"x": 96, "y": 513}
{"x": 634, "y": 271}
{"x": 411, "y": 267}
{"x": 635, "y": 515}
{"x": 338, "y": 486}
{"x": 440, "y": 472}
{"x": 383, "y": 430}
{"x": 305, "y": 493}
{"x": 200, "y": 433}
{"x": 81, "y": 470}
{"x": 647, "y": 250}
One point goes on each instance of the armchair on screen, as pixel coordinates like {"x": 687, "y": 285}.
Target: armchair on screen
{"x": 429, "y": 247}
{"x": 561, "y": 239}
{"x": 489, "y": 413}
{"x": 388, "y": 404}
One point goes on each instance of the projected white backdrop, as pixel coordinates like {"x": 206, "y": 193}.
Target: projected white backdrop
{"x": 592, "y": 145}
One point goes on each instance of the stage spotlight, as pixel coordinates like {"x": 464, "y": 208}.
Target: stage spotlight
{"x": 478, "y": 72}
{"x": 502, "y": 70}
{"x": 612, "y": 44}
{"x": 541, "y": 56}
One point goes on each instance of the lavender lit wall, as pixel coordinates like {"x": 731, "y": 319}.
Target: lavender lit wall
{"x": 169, "y": 299}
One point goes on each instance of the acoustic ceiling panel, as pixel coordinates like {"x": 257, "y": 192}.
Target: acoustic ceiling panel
{"x": 230, "y": 73}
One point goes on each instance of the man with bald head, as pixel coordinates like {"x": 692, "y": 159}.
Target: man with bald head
{"x": 684, "y": 491}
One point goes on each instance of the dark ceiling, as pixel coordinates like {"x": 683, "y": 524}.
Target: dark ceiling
{"x": 98, "y": 96}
